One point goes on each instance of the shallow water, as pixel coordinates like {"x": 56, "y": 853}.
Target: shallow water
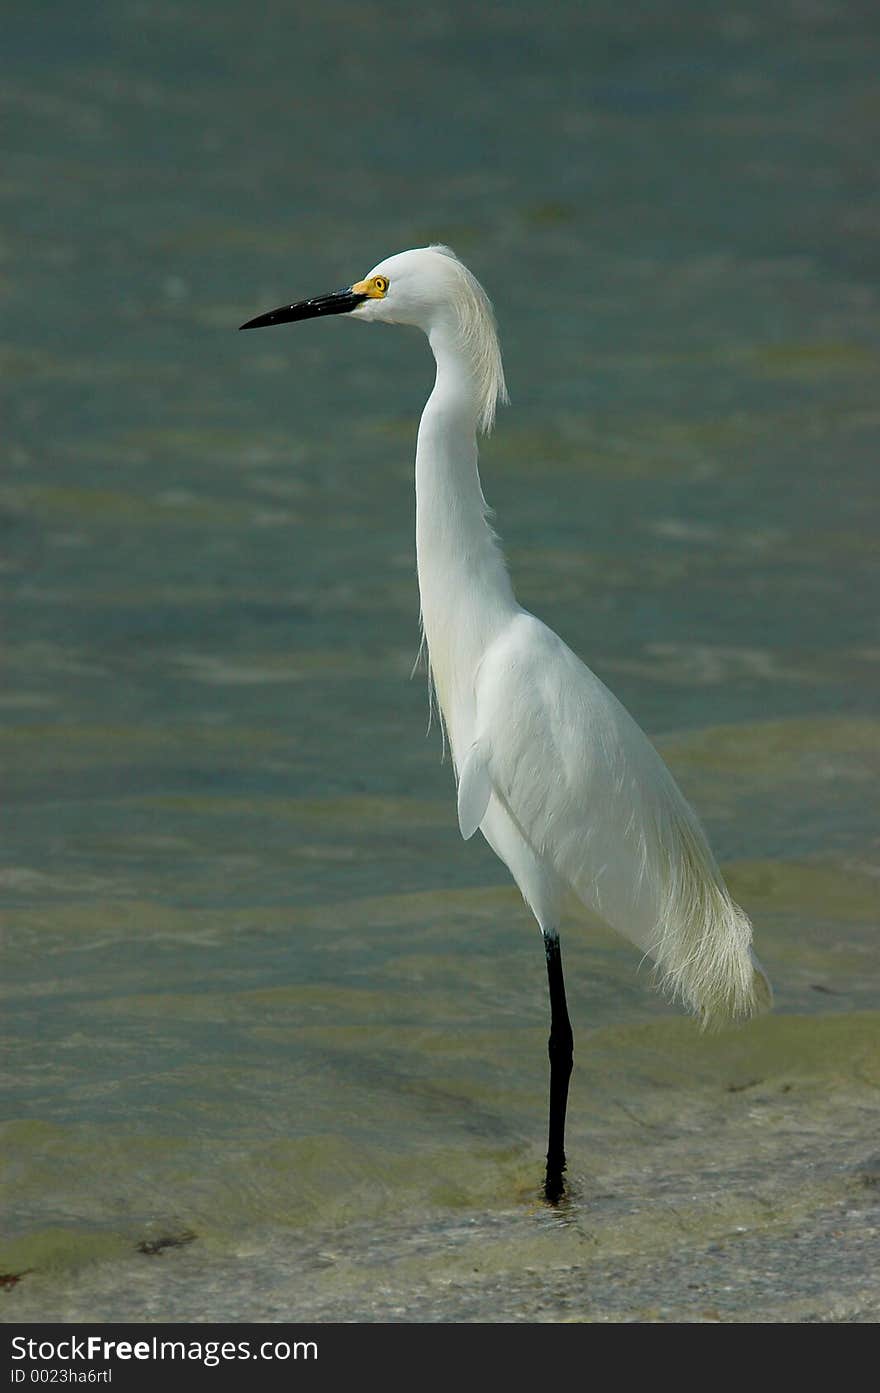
{"x": 274, "y": 1039}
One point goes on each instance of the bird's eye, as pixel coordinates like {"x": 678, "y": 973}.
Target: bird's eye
{"x": 380, "y": 283}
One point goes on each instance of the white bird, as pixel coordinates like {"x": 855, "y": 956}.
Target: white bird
{"x": 562, "y": 783}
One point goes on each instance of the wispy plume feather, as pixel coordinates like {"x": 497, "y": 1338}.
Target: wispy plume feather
{"x": 479, "y": 333}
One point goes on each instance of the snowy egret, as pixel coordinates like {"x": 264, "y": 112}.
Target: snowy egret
{"x": 555, "y": 773}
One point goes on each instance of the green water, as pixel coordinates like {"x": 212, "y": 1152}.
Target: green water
{"x": 273, "y": 1037}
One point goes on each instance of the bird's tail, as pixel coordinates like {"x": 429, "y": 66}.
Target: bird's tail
{"x": 702, "y": 942}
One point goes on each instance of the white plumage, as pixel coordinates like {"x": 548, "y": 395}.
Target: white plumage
{"x": 563, "y": 784}
{"x": 557, "y": 757}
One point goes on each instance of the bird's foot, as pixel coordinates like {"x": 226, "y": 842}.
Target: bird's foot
{"x": 554, "y": 1183}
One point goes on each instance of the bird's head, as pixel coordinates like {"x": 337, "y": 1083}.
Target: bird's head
{"x": 427, "y": 287}
{"x": 414, "y": 287}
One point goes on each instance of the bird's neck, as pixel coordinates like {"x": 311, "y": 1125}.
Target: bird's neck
{"x": 466, "y": 595}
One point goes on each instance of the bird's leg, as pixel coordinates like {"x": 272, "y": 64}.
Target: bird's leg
{"x": 559, "y": 1047}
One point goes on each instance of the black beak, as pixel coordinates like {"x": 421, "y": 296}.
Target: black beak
{"x": 337, "y": 302}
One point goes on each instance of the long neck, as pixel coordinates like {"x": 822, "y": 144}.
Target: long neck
{"x": 465, "y": 590}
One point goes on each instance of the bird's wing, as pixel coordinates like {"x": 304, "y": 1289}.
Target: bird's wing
{"x": 594, "y": 800}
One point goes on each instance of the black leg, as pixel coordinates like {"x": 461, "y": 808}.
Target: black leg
{"x": 559, "y": 1047}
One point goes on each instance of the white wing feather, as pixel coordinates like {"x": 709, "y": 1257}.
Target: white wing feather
{"x": 474, "y": 790}
{"x": 591, "y": 796}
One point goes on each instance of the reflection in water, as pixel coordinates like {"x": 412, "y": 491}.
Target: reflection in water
{"x": 256, "y": 989}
